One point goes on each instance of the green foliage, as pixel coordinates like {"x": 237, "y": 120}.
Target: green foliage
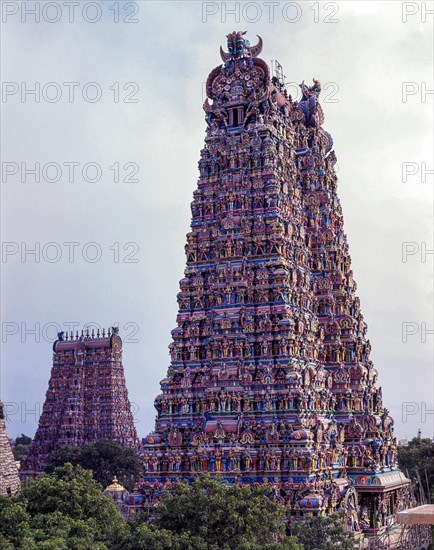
{"x": 209, "y": 515}
{"x": 222, "y": 517}
{"x": 418, "y": 461}
{"x": 64, "y": 510}
{"x": 21, "y": 448}
{"x": 5, "y": 544}
{"x": 14, "y": 520}
{"x": 148, "y": 537}
{"x": 324, "y": 533}
{"x": 23, "y": 440}
{"x": 105, "y": 458}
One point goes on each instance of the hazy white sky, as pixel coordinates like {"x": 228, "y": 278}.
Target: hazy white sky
{"x": 362, "y": 52}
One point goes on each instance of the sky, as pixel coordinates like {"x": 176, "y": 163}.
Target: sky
{"x": 112, "y": 133}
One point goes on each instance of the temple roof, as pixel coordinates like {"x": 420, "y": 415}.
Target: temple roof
{"x": 379, "y": 482}
{"x": 114, "y": 487}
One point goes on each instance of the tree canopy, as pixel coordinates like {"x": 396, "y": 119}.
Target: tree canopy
{"x": 23, "y": 440}
{"x": 21, "y": 447}
{"x": 224, "y": 517}
{"x": 324, "y": 533}
{"x": 105, "y": 458}
{"x": 417, "y": 461}
{"x": 64, "y": 510}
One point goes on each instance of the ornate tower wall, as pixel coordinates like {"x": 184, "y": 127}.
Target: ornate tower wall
{"x": 9, "y": 479}
{"x": 87, "y": 398}
{"x": 270, "y": 378}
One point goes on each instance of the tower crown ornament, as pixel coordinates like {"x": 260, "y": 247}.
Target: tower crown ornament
{"x": 238, "y": 46}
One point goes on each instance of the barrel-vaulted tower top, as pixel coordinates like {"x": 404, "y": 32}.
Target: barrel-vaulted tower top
{"x": 89, "y": 339}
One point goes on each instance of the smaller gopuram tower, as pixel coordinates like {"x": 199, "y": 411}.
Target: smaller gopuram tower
{"x": 87, "y": 398}
{"x": 9, "y": 480}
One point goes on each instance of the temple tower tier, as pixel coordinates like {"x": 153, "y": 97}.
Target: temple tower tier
{"x": 270, "y": 378}
{"x": 87, "y": 398}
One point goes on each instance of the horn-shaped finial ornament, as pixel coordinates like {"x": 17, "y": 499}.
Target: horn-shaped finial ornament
{"x": 256, "y": 50}
{"x": 239, "y": 47}
{"x": 225, "y": 56}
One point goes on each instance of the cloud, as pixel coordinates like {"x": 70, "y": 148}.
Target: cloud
{"x": 368, "y": 54}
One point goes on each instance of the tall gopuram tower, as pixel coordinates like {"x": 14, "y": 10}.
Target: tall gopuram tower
{"x": 87, "y": 398}
{"x": 270, "y": 379}
{"x": 9, "y": 479}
